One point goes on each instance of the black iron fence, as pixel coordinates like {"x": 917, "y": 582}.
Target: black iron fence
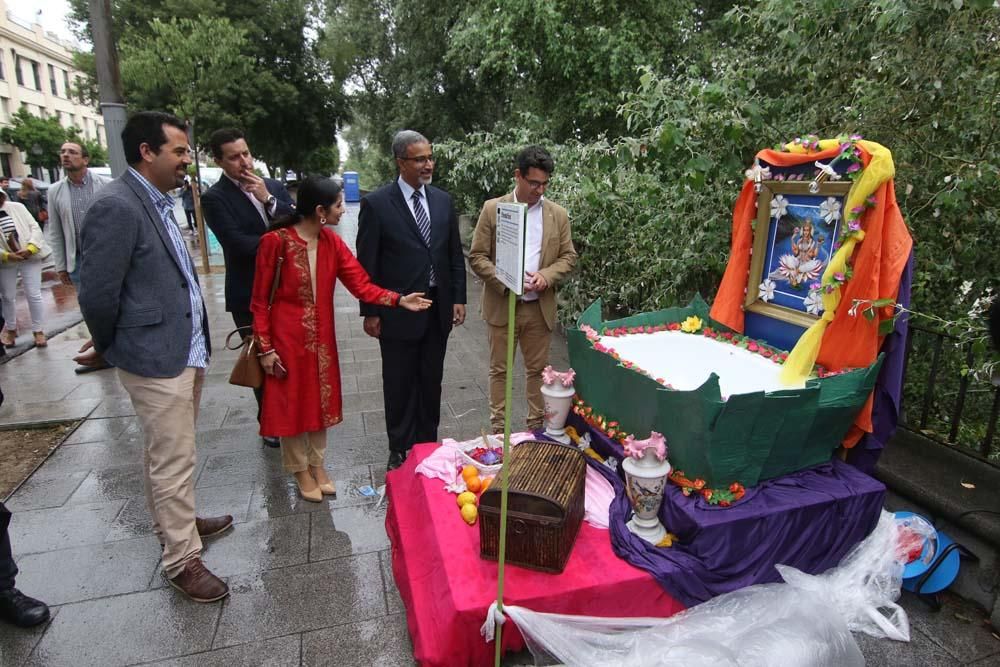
{"x": 944, "y": 402}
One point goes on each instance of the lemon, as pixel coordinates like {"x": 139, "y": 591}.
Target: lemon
{"x": 470, "y": 513}
{"x": 466, "y": 498}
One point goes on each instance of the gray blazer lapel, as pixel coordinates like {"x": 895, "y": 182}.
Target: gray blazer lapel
{"x": 154, "y": 216}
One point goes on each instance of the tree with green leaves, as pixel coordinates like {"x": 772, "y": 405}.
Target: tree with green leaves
{"x": 285, "y": 98}
{"x": 38, "y": 138}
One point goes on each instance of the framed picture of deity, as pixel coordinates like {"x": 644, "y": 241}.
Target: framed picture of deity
{"x": 794, "y": 237}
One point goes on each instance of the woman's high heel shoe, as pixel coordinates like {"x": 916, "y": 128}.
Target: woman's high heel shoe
{"x": 313, "y": 496}
{"x": 328, "y": 489}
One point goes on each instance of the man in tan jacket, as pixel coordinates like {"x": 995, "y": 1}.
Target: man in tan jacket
{"x": 548, "y": 257}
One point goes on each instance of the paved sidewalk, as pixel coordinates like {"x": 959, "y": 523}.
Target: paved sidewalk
{"x": 311, "y": 583}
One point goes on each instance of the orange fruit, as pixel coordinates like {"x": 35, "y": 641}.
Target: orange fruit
{"x": 486, "y": 484}
{"x": 469, "y": 471}
{"x": 473, "y": 483}
{"x": 470, "y": 513}
{"x": 466, "y": 498}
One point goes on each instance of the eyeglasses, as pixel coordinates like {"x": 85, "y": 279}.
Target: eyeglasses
{"x": 537, "y": 185}
{"x": 419, "y": 160}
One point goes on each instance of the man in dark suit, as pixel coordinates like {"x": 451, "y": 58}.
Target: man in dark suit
{"x": 142, "y": 302}
{"x": 238, "y": 209}
{"x": 408, "y": 241}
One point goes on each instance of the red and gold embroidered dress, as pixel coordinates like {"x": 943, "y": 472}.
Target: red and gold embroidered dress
{"x": 299, "y": 327}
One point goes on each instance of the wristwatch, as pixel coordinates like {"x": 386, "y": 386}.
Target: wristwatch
{"x": 270, "y": 201}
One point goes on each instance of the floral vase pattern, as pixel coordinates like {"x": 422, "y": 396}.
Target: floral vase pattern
{"x": 646, "y": 470}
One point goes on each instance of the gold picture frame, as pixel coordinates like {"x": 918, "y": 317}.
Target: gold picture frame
{"x": 795, "y": 233}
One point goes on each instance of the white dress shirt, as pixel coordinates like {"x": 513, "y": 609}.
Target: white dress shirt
{"x": 532, "y": 244}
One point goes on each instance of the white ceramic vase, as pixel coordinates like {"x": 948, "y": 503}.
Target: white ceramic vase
{"x": 645, "y": 481}
{"x": 558, "y": 399}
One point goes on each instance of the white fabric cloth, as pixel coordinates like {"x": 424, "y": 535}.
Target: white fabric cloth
{"x": 532, "y": 243}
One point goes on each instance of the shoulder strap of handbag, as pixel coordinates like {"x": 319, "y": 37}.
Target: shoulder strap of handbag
{"x": 277, "y": 265}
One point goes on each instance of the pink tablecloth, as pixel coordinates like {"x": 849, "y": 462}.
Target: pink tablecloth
{"x": 446, "y": 588}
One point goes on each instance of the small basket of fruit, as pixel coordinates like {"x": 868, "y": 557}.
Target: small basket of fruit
{"x": 486, "y": 454}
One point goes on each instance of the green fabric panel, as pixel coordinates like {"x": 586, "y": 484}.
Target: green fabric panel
{"x": 749, "y": 438}
{"x": 685, "y": 419}
{"x": 734, "y": 454}
{"x": 795, "y": 410}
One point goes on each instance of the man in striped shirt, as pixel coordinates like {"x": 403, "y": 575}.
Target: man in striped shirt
{"x": 143, "y": 305}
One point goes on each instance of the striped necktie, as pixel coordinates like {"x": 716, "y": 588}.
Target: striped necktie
{"x": 424, "y": 225}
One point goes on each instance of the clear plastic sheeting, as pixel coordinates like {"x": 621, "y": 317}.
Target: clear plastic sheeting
{"x": 806, "y": 621}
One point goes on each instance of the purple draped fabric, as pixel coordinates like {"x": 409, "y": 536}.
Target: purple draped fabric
{"x": 809, "y": 520}
{"x": 889, "y": 386}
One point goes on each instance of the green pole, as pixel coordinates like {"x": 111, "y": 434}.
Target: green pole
{"x": 508, "y": 385}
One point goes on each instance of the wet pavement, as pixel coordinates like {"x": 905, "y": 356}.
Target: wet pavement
{"x": 311, "y": 583}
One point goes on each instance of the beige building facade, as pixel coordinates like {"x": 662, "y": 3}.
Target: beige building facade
{"x": 36, "y": 71}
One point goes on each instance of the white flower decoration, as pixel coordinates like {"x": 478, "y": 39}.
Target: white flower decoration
{"x": 779, "y": 207}
{"x": 830, "y": 210}
{"x": 814, "y": 302}
{"x": 757, "y": 172}
{"x": 611, "y": 462}
{"x": 766, "y": 290}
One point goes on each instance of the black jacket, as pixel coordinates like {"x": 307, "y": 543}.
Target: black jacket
{"x": 394, "y": 254}
{"x": 238, "y": 226}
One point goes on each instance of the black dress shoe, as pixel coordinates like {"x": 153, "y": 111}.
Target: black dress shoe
{"x": 395, "y": 460}
{"x": 271, "y": 442}
{"x": 18, "y": 609}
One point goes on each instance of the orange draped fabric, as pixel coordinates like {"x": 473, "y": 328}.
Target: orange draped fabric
{"x": 878, "y": 262}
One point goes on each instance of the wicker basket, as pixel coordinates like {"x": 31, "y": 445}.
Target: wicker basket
{"x": 545, "y": 506}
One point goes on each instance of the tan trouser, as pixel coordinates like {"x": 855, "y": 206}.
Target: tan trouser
{"x": 531, "y": 332}
{"x": 167, "y": 409}
{"x": 298, "y": 452}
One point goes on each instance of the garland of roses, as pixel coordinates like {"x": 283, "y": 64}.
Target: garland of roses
{"x": 612, "y": 430}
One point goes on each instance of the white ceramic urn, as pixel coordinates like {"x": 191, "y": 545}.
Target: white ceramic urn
{"x": 558, "y": 398}
{"x": 645, "y": 481}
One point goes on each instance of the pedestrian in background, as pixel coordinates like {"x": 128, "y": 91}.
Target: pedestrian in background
{"x": 187, "y": 199}
{"x": 22, "y": 249}
{"x": 32, "y": 199}
{"x": 298, "y": 264}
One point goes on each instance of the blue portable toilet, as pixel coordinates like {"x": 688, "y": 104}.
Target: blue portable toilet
{"x": 352, "y": 187}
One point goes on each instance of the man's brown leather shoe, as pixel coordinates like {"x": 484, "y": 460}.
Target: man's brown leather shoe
{"x": 198, "y": 583}
{"x": 213, "y": 525}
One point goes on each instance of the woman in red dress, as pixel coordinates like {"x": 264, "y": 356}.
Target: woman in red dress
{"x": 295, "y": 332}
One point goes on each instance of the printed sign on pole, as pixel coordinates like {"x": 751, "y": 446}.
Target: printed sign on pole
{"x": 510, "y": 245}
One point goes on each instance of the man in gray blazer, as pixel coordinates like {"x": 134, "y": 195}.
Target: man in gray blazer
{"x": 143, "y": 305}
{"x": 68, "y": 201}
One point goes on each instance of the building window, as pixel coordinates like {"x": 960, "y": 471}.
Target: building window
{"x": 52, "y": 80}
{"x": 43, "y": 112}
{"x": 79, "y": 89}
{"x": 17, "y": 70}
{"x": 72, "y": 120}
{"x": 66, "y": 83}
{"x": 35, "y": 73}
{"x": 2, "y": 75}
{"x": 4, "y": 110}
{"x": 5, "y": 165}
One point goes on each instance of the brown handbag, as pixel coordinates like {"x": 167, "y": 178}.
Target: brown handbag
{"x": 248, "y": 372}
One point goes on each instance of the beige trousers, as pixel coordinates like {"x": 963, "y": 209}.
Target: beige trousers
{"x": 298, "y": 452}
{"x": 532, "y": 334}
{"x": 167, "y": 409}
